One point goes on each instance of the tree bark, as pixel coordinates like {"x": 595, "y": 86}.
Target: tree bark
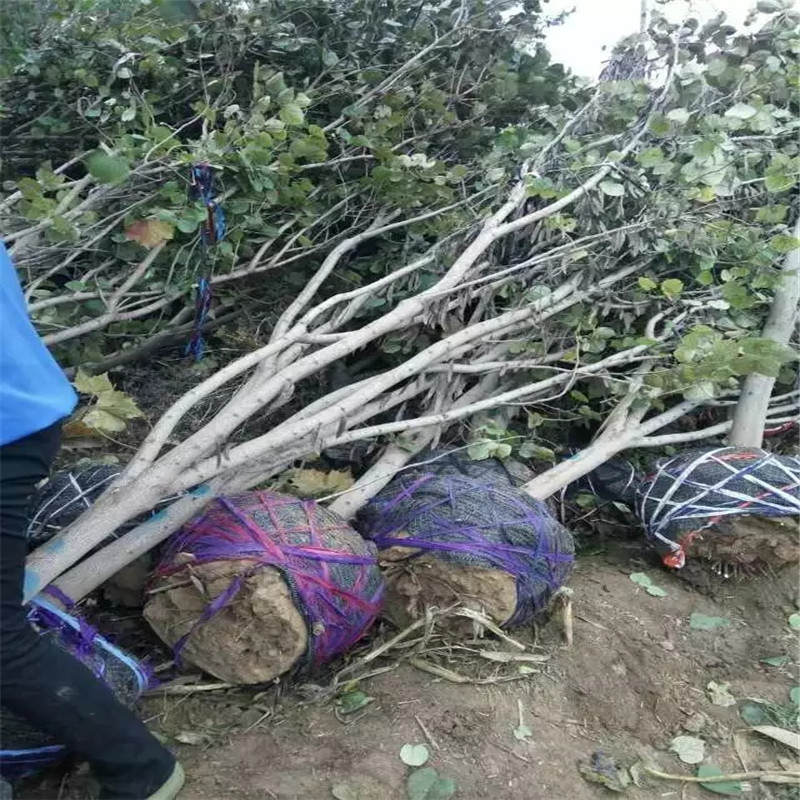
{"x": 751, "y": 410}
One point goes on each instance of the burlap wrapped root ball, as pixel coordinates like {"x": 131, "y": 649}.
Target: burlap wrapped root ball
{"x": 263, "y": 583}
{"x": 25, "y": 750}
{"x": 735, "y": 508}
{"x": 456, "y": 531}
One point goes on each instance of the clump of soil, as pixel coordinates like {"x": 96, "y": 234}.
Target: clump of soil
{"x": 749, "y": 543}
{"x": 257, "y": 636}
{"x": 425, "y": 581}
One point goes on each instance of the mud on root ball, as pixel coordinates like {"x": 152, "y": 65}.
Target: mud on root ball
{"x": 734, "y": 507}
{"x": 261, "y": 583}
{"x": 463, "y": 522}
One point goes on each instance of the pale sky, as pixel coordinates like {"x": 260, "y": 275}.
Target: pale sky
{"x": 578, "y": 43}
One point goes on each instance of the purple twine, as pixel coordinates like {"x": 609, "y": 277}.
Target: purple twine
{"x": 469, "y": 521}
{"x": 337, "y": 590}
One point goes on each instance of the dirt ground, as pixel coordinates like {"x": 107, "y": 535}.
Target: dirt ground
{"x": 635, "y": 677}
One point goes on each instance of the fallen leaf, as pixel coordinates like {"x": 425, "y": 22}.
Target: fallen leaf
{"x": 149, "y": 232}
{"x": 75, "y": 428}
{"x": 720, "y": 694}
{"x": 353, "y": 701}
{"x": 775, "y": 661}
{"x": 427, "y": 784}
{"x": 640, "y": 579}
{"x": 103, "y": 421}
{"x": 789, "y": 738}
{"x": 343, "y": 792}
{"x": 316, "y": 483}
{"x": 92, "y": 384}
{"x": 522, "y": 733}
{"x": 723, "y": 787}
{"x": 191, "y": 737}
{"x": 702, "y": 622}
{"x": 754, "y": 713}
{"x": 604, "y": 770}
{"x": 689, "y": 749}
{"x": 644, "y": 580}
{"x": 794, "y": 622}
{"x": 414, "y": 755}
{"x": 524, "y": 669}
{"x": 794, "y": 695}
{"x": 119, "y": 404}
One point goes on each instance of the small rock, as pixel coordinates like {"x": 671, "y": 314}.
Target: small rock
{"x": 667, "y": 645}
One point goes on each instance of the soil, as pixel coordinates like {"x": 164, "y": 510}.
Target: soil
{"x": 635, "y": 677}
{"x": 426, "y": 581}
{"x": 255, "y": 637}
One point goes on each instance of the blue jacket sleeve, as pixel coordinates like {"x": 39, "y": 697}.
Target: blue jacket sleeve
{"x": 34, "y": 392}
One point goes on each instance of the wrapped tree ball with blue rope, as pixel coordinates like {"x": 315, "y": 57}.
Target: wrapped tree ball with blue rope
{"x": 25, "y": 750}
{"x": 737, "y": 508}
{"x": 454, "y": 530}
{"x": 260, "y": 584}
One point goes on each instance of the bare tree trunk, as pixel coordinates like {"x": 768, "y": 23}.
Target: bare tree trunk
{"x": 751, "y": 410}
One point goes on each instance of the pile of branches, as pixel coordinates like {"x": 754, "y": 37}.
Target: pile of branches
{"x": 510, "y": 240}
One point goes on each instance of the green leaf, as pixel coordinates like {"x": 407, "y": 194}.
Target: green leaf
{"x": 741, "y": 111}
{"x": 779, "y": 181}
{"x": 680, "y": 116}
{"x": 647, "y": 284}
{"x": 129, "y": 114}
{"x": 772, "y": 214}
{"x": 612, "y": 188}
{"x": 776, "y": 661}
{"x": 533, "y": 450}
{"x": 103, "y": 421}
{"x": 480, "y": 451}
{"x": 672, "y": 287}
{"x": 643, "y": 580}
{"x": 721, "y": 787}
{"x": 522, "y": 733}
{"x": 414, "y": 755}
{"x": 119, "y": 404}
{"x": 659, "y": 125}
{"x": 794, "y": 622}
{"x": 794, "y": 695}
{"x": 702, "y": 622}
{"x": 353, "y": 701}
{"x": 704, "y": 390}
{"x": 689, "y": 749}
{"x": 720, "y": 695}
{"x": 292, "y": 114}
{"x": 426, "y": 784}
{"x": 106, "y": 168}
{"x": 92, "y": 384}
{"x": 784, "y": 243}
{"x": 329, "y": 58}
{"x": 650, "y": 157}
{"x": 754, "y": 714}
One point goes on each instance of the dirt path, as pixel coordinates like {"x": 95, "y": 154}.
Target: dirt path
{"x": 636, "y": 676}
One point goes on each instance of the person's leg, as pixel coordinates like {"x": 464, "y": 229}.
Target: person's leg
{"x": 44, "y": 684}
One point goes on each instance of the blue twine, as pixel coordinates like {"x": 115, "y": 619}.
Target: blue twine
{"x": 212, "y": 231}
